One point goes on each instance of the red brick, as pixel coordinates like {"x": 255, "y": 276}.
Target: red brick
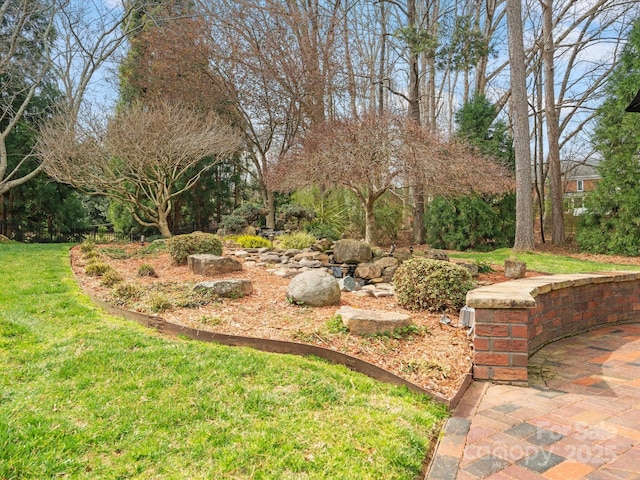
{"x": 519, "y": 331}
{"x": 484, "y": 315}
{"x": 487, "y": 330}
{"x": 507, "y": 374}
{"x": 481, "y": 373}
{"x": 519, "y": 359}
{"x": 511, "y": 316}
{"x": 501, "y": 359}
{"x": 512, "y": 345}
{"x": 480, "y": 344}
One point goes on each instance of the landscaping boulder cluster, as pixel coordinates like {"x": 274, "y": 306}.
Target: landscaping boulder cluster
{"x": 318, "y": 276}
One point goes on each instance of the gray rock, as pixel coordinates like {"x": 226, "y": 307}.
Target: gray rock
{"x": 292, "y": 252}
{"x": 285, "y": 272}
{"x": 315, "y": 288}
{"x": 368, "y": 271}
{"x": 210, "y": 265}
{"x": 270, "y": 258}
{"x": 233, "y": 288}
{"x": 386, "y": 262}
{"x": 312, "y": 256}
{"x": 241, "y": 253}
{"x": 514, "y": 269}
{"x": 385, "y": 286}
{"x": 310, "y": 263}
{"x": 348, "y": 284}
{"x": 382, "y": 293}
{"x": 366, "y": 322}
{"x": 470, "y": 267}
{"x": 437, "y": 255}
{"x": 388, "y": 273}
{"x": 351, "y": 251}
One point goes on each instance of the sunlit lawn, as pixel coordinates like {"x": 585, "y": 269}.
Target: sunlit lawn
{"x": 543, "y": 262}
{"x": 87, "y": 395}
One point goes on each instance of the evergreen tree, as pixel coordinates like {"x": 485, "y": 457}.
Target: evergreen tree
{"x": 476, "y": 222}
{"x": 612, "y": 221}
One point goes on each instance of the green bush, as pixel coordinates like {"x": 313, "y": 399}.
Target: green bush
{"x": 110, "y": 278}
{"x": 158, "y": 302}
{"x": 97, "y": 269}
{"x": 291, "y": 215}
{"x": 87, "y": 246}
{"x": 146, "y": 270}
{"x": 233, "y": 223}
{"x": 322, "y": 230}
{"x": 252, "y": 241}
{"x": 471, "y": 222}
{"x": 127, "y": 291}
{"x": 181, "y": 246}
{"x": 434, "y": 285}
{"x": 298, "y": 240}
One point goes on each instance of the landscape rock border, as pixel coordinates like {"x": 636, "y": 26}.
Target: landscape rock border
{"x": 164, "y": 327}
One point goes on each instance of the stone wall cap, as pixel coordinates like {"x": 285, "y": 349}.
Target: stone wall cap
{"x": 521, "y": 293}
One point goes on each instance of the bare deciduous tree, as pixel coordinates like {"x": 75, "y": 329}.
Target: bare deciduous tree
{"x": 372, "y": 154}
{"x": 144, "y": 158}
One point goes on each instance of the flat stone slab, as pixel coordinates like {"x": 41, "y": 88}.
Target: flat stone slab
{"x": 210, "y": 265}
{"x": 360, "y": 321}
{"x": 233, "y": 288}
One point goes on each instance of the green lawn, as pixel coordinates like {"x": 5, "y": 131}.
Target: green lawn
{"x": 87, "y": 395}
{"x": 542, "y": 262}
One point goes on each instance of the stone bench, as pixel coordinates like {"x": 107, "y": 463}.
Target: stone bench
{"x": 513, "y": 320}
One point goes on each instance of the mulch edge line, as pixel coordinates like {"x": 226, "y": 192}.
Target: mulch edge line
{"x": 276, "y": 346}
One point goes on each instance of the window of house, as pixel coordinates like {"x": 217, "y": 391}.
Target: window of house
{"x": 580, "y": 185}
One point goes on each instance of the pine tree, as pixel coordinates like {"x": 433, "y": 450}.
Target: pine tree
{"x": 612, "y": 222}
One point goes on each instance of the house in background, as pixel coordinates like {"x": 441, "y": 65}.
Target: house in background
{"x": 579, "y": 180}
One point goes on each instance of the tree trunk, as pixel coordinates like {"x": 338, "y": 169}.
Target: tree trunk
{"x": 414, "y": 116}
{"x": 370, "y": 223}
{"x": 418, "y": 218}
{"x": 270, "y": 205}
{"x": 520, "y": 118}
{"x": 553, "y": 136}
{"x": 163, "y": 224}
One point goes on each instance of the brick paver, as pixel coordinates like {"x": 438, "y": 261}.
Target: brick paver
{"x": 579, "y": 418}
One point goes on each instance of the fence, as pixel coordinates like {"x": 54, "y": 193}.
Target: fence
{"x": 42, "y": 233}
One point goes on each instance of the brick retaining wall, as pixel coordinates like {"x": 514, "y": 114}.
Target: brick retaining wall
{"x": 513, "y": 320}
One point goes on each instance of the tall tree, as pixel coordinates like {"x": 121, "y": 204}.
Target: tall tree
{"x": 146, "y": 157}
{"x": 520, "y": 119}
{"x": 27, "y": 34}
{"x": 611, "y": 223}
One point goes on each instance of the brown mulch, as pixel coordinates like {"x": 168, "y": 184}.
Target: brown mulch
{"x": 437, "y": 358}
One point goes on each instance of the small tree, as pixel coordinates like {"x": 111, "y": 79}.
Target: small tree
{"x": 144, "y": 158}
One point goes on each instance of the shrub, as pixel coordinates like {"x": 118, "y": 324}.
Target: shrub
{"x": 87, "y": 246}
{"x": 116, "y": 253}
{"x": 146, "y": 270}
{"x": 434, "y": 285}
{"x": 111, "y": 278}
{"x": 252, "y": 241}
{"x": 233, "y": 223}
{"x": 322, "y": 230}
{"x": 91, "y": 255}
{"x": 181, "y": 246}
{"x": 158, "y": 302}
{"x": 96, "y": 269}
{"x": 336, "y": 325}
{"x": 291, "y": 215}
{"x": 127, "y": 291}
{"x": 298, "y": 240}
{"x": 473, "y": 222}
{"x": 154, "y": 247}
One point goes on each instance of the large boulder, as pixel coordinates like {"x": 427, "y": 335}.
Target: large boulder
{"x": 366, "y": 322}
{"x": 211, "y": 265}
{"x": 352, "y": 251}
{"x": 315, "y": 288}
{"x": 232, "y": 288}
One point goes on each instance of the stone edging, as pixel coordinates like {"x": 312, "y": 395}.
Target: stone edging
{"x": 278, "y": 346}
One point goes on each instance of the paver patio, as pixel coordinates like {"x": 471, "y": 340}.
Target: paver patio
{"x": 579, "y": 418}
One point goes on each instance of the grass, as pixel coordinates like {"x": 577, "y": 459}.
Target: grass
{"x": 543, "y": 262}
{"x": 87, "y": 395}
